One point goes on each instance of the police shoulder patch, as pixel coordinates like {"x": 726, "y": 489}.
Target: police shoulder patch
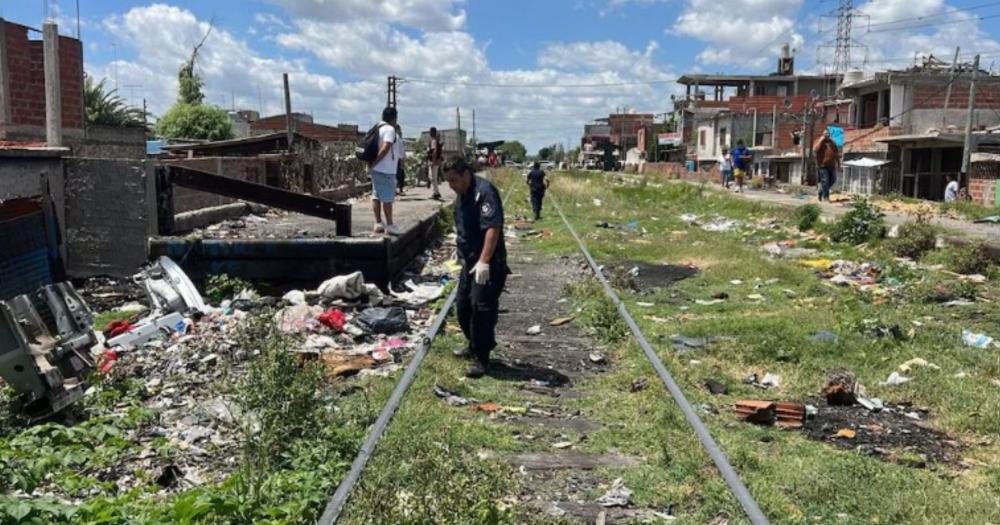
{"x": 486, "y": 209}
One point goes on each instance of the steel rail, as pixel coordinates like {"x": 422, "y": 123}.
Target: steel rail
{"x": 714, "y": 451}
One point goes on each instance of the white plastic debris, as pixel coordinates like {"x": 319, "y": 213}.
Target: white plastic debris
{"x": 895, "y": 379}
{"x": 597, "y": 202}
{"x": 917, "y": 362}
{"x": 534, "y": 330}
{"x": 350, "y": 286}
{"x": 597, "y": 358}
{"x": 419, "y": 294}
{"x": 617, "y": 496}
{"x": 976, "y": 340}
{"x": 771, "y": 380}
{"x": 294, "y": 297}
{"x": 689, "y": 218}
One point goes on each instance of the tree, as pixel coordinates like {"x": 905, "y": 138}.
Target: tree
{"x": 106, "y": 108}
{"x": 513, "y": 150}
{"x": 195, "y": 121}
{"x": 545, "y": 153}
{"x": 189, "y": 84}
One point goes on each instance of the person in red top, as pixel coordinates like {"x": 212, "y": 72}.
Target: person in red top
{"x": 493, "y": 159}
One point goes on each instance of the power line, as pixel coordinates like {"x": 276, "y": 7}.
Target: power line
{"x": 945, "y": 13}
{"x": 933, "y": 24}
{"x": 540, "y": 86}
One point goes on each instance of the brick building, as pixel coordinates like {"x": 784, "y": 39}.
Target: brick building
{"x": 22, "y": 84}
{"x": 303, "y": 124}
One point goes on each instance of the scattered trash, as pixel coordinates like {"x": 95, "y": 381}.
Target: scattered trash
{"x": 644, "y": 305}
{"x": 720, "y": 295}
{"x": 617, "y": 496}
{"x": 350, "y": 286}
{"x": 597, "y": 202}
{"x": 378, "y": 320}
{"x": 419, "y": 294}
{"x": 337, "y": 364}
{"x": 562, "y": 444}
{"x": 300, "y": 318}
{"x": 710, "y": 302}
{"x": 334, "y": 319}
{"x": 689, "y": 218}
{"x": 684, "y": 345}
{"x": 115, "y": 328}
{"x": 917, "y": 362}
{"x": 534, "y": 330}
{"x": 895, "y": 379}
{"x": 639, "y": 384}
{"x": 559, "y": 321}
{"x": 452, "y": 398}
{"x": 294, "y": 297}
{"x": 489, "y": 408}
{"x": 824, "y": 337}
{"x": 597, "y": 358}
{"x": 846, "y": 433}
{"x": 716, "y": 388}
{"x": 992, "y": 219}
{"x": 785, "y": 415}
{"x": 768, "y": 381}
{"x": 841, "y": 387}
{"x": 755, "y": 297}
{"x": 719, "y": 224}
{"x": 976, "y": 340}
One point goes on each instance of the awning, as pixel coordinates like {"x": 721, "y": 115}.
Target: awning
{"x": 866, "y": 162}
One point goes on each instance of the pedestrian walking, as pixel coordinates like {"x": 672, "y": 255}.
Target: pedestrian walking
{"x": 483, "y": 254}
{"x": 537, "y": 183}
{"x": 742, "y": 159}
{"x": 827, "y": 160}
{"x": 383, "y": 173}
{"x": 726, "y": 167}
{"x": 434, "y": 158}
{"x": 401, "y": 155}
{"x": 951, "y": 189}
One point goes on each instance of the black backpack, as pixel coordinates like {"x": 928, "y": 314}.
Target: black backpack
{"x": 368, "y": 148}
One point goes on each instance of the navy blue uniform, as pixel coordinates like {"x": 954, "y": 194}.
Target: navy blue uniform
{"x": 536, "y": 183}
{"x": 478, "y": 306}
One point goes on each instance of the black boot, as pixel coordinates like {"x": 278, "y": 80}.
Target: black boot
{"x": 477, "y": 369}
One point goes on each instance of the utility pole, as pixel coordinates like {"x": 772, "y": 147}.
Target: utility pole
{"x": 145, "y": 114}
{"x": 390, "y": 92}
{"x": 288, "y": 112}
{"x": 53, "y": 97}
{"x": 967, "y": 153}
{"x": 458, "y": 126}
{"x": 947, "y": 93}
{"x": 474, "y": 141}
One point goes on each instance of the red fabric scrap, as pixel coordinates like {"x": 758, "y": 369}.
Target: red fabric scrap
{"x": 116, "y": 328}
{"x": 106, "y": 361}
{"x": 334, "y": 319}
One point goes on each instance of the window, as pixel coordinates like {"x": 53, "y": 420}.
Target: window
{"x": 722, "y": 137}
{"x": 701, "y": 138}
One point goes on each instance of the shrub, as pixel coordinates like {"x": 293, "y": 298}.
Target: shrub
{"x": 915, "y": 239}
{"x": 863, "y": 223}
{"x": 807, "y": 216}
{"x": 969, "y": 259}
{"x": 223, "y": 286}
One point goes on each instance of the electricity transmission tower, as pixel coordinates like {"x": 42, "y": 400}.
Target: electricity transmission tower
{"x": 843, "y": 42}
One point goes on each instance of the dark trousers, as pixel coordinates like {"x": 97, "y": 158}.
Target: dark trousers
{"x": 536, "y": 201}
{"x": 400, "y": 177}
{"x": 478, "y": 308}
{"x": 827, "y": 178}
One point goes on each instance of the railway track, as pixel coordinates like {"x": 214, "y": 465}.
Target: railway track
{"x": 337, "y": 502}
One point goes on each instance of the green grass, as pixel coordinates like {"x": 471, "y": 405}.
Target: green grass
{"x": 969, "y": 210}
{"x": 796, "y": 480}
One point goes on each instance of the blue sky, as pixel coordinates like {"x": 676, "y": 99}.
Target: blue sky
{"x": 476, "y": 53}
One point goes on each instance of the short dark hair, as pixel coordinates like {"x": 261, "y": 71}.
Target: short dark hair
{"x": 434, "y": 131}
{"x": 458, "y": 164}
{"x": 536, "y": 165}
{"x": 389, "y": 114}
{"x": 739, "y": 142}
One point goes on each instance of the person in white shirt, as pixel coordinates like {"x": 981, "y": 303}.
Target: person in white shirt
{"x": 726, "y": 167}
{"x": 951, "y": 189}
{"x": 384, "y": 173}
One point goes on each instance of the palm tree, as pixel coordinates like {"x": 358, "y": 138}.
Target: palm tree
{"x": 105, "y": 108}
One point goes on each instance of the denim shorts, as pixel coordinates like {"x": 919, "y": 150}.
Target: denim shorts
{"x": 384, "y": 186}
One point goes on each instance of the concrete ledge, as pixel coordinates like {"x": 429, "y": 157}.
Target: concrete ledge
{"x": 192, "y": 220}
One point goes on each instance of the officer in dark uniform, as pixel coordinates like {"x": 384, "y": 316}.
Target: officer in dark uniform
{"x": 479, "y": 229}
{"x": 537, "y": 184}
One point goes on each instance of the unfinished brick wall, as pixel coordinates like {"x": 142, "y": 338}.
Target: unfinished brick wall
{"x": 983, "y": 179}
{"x": 26, "y": 73}
{"x": 932, "y": 96}
{"x": 110, "y": 214}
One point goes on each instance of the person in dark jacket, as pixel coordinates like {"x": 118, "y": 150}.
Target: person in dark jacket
{"x": 483, "y": 254}
{"x": 827, "y": 160}
{"x": 537, "y": 183}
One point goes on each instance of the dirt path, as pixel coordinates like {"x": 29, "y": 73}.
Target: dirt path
{"x": 546, "y": 371}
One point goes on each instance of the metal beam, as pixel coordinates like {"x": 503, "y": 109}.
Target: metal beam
{"x": 209, "y": 182}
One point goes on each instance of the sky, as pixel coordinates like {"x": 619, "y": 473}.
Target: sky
{"x": 531, "y": 70}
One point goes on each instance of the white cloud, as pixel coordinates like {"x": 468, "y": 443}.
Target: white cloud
{"x": 364, "y": 52}
{"x": 735, "y": 30}
{"x": 429, "y": 15}
{"x": 372, "y": 48}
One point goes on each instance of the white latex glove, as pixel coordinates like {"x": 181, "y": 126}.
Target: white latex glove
{"x": 481, "y": 272}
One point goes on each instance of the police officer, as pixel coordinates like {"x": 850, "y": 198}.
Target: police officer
{"x": 479, "y": 229}
{"x": 537, "y": 183}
